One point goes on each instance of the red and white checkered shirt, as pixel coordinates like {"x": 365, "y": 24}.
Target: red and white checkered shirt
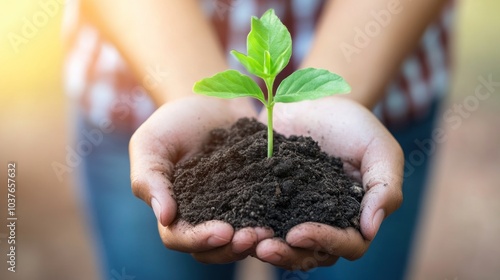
{"x": 98, "y": 78}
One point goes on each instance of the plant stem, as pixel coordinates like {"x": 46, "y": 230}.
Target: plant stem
{"x": 270, "y": 137}
{"x": 269, "y": 107}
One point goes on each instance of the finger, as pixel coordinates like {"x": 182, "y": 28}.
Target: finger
{"x": 150, "y": 173}
{"x": 181, "y": 236}
{"x": 247, "y": 238}
{"x": 243, "y": 243}
{"x": 362, "y": 142}
{"x": 279, "y": 253}
{"x": 243, "y": 240}
{"x": 371, "y": 149}
{"x": 162, "y": 141}
{"x": 347, "y": 243}
{"x": 382, "y": 171}
{"x": 219, "y": 255}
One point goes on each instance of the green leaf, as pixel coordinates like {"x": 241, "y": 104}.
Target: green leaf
{"x": 268, "y": 34}
{"x": 229, "y": 84}
{"x": 310, "y": 84}
{"x": 249, "y": 63}
{"x": 267, "y": 62}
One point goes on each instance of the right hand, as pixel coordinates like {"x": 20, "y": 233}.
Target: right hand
{"x": 173, "y": 133}
{"x": 371, "y": 155}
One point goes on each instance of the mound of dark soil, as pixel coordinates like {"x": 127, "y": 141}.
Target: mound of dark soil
{"x": 233, "y": 180}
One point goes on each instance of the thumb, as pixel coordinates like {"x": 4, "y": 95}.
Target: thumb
{"x": 382, "y": 172}
{"x": 151, "y": 173}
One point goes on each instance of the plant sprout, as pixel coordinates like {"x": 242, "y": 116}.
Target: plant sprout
{"x": 269, "y": 48}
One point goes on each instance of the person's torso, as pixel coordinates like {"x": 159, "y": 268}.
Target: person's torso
{"x": 98, "y": 78}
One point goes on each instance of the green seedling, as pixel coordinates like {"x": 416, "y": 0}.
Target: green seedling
{"x": 269, "y": 48}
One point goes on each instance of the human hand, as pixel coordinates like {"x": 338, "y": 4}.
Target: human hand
{"x": 371, "y": 155}
{"x": 175, "y": 132}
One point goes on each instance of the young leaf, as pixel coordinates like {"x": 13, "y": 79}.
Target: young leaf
{"x": 268, "y": 34}
{"x": 250, "y": 64}
{"x": 229, "y": 84}
{"x": 273, "y": 36}
{"x": 310, "y": 84}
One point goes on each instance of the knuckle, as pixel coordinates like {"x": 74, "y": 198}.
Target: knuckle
{"x": 333, "y": 248}
{"x": 399, "y": 151}
{"x": 218, "y": 256}
{"x": 201, "y": 258}
{"x": 164, "y": 237}
{"x": 138, "y": 186}
{"x": 134, "y": 137}
{"x": 166, "y": 242}
{"x": 169, "y": 241}
{"x": 355, "y": 254}
{"x": 329, "y": 262}
{"x": 398, "y": 198}
{"x": 308, "y": 263}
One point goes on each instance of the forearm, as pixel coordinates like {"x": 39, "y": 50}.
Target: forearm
{"x": 171, "y": 37}
{"x": 369, "y": 66}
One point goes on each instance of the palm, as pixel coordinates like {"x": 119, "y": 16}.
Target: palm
{"x": 371, "y": 155}
{"x": 173, "y": 133}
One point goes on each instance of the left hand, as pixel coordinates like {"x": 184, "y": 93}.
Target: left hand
{"x": 370, "y": 154}
{"x": 175, "y": 132}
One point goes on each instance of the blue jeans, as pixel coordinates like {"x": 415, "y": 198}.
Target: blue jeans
{"x": 128, "y": 244}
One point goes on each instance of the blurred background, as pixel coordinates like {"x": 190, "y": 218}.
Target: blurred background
{"x": 460, "y": 231}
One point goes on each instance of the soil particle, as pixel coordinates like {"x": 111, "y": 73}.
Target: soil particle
{"x": 233, "y": 180}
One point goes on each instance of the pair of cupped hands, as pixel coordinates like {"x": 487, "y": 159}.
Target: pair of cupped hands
{"x": 343, "y": 128}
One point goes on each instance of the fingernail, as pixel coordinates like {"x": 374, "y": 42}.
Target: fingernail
{"x": 377, "y": 220}
{"x": 216, "y": 241}
{"x": 273, "y": 258}
{"x": 242, "y": 247}
{"x": 156, "y": 208}
{"x": 304, "y": 243}
{"x": 263, "y": 233}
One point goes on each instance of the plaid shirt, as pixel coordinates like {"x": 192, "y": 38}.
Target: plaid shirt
{"x": 98, "y": 78}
